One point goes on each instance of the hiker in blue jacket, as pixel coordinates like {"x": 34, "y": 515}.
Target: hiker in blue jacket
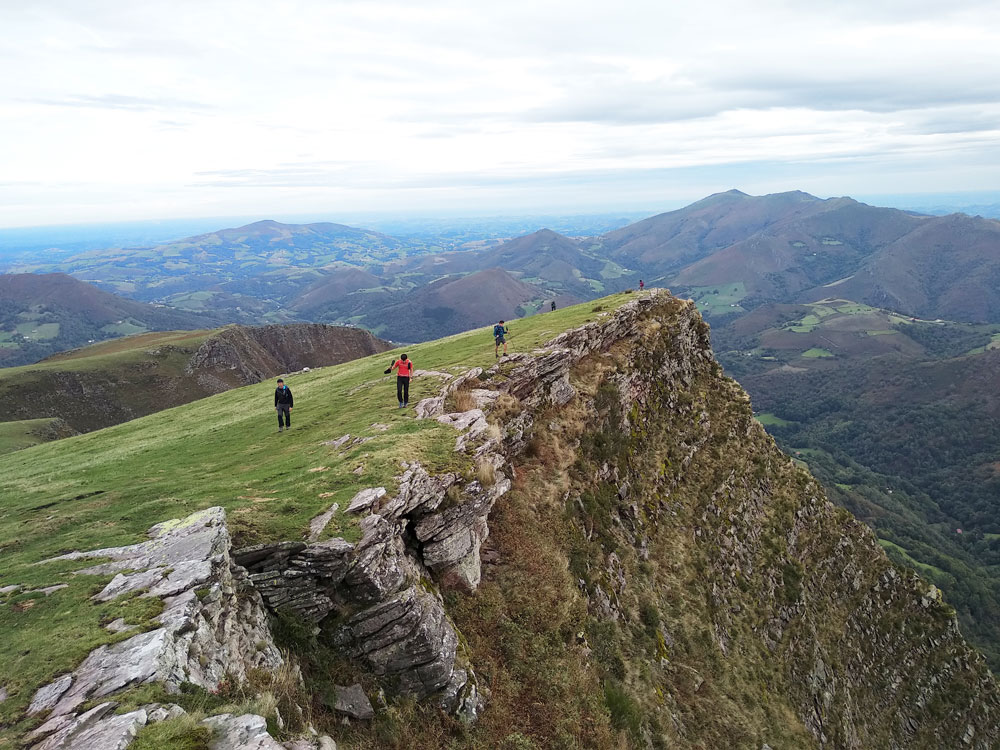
{"x": 500, "y": 333}
{"x": 283, "y": 405}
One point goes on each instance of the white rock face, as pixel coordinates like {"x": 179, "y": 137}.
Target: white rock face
{"x": 246, "y": 732}
{"x": 213, "y": 625}
{"x": 97, "y": 729}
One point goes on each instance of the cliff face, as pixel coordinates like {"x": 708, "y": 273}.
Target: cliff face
{"x": 621, "y": 558}
{"x": 242, "y": 355}
{"x": 92, "y": 394}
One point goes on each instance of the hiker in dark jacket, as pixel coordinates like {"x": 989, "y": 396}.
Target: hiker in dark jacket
{"x": 500, "y": 334}
{"x": 283, "y": 405}
{"x": 404, "y": 371}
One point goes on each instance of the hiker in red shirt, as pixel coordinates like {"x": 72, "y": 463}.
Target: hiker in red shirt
{"x": 404, "y": 371}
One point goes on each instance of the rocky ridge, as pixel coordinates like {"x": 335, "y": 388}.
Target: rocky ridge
{"x": 782, "y": 572}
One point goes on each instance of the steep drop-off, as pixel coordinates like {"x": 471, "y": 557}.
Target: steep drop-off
{"x": 91, "y": 390}
{"x": 616, "y": 556}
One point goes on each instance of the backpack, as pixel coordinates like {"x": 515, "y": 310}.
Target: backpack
{"x": 497, "y": 331}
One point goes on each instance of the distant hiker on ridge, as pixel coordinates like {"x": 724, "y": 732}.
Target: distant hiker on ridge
{"x": 642, "y": 284}
{"x": 283, "y": 405}
{"x": 553, "y": 305}
{"x": 404, "y": 371}
{"x": 500, "y": 333}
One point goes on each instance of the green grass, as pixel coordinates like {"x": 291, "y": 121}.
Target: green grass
{"x": 106, "y": 353}
{"x": 931, "y": 571}
{"x": 816, "y": 353}
{"x": 854, "y": 308}
{"x": 881, "y": 333}
{"x": 107, "y": 487}
{"x": 38, "y": 331}
{"x": 15, "y": 436}
{"x": 719, "y": 299}
{"x": 125, "y": 328}
{"x": 769, "y": 420}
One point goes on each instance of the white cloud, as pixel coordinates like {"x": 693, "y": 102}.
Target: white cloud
{"x": 162, "y": 108}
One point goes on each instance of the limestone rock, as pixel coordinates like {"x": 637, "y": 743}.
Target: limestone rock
{"x": 157, "y": 712}
{"x": 246, "y": 732}
{"x": 365, "y": 499}
{"x": 320, "y": 522}
{"x": 97, "y": 729}
{"x": 299, "y": 578}
{"x": 352, "y": 702}
{"x": 47, "y": 697}
{"x": 419, "y": 493}
{"x": 377, "y": 568}
{"x": 213, "y": 625}
{"x": 452, "y": 538}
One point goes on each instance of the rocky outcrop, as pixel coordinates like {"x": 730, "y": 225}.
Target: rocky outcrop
{"x": 213, "y": 627}
{"x": 714, "y": 593}
{"x": 241, "y": 355}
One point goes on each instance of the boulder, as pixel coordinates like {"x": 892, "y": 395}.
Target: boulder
{"x": 246, "y": 732}
{"x": 352, "y": 702}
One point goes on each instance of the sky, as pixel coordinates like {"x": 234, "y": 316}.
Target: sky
{"x": 115, "y": 111}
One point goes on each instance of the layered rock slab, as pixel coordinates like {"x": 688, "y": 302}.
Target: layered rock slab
{"x": 213, "y": 625}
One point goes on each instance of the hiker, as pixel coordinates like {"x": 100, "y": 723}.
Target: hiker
{"x": 642, "y": 284}
{"x": 553, "y": 305}
{"x": 283, "y": 405}
{"x": 404, "y": 371}
{"x": 500, "y": 333}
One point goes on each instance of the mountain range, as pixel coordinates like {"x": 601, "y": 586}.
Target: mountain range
{"x": 731, "y": 252}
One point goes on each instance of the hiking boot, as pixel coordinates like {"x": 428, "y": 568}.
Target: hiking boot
{"x": 400, "y": 404}
{"x": 280, "y": 428}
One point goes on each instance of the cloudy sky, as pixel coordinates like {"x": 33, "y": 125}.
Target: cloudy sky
{"x": 114, "y": 110}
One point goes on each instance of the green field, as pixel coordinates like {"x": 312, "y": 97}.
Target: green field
{"x": 38, "y": 331}
{"x": 108, "y": 487}
{"x": 930, "y": 571}
{"x": 816, "y": 353}
{"x": 719, "y": 299}
{"x": 769, "y": 420}
{"x": 124, "y": 328}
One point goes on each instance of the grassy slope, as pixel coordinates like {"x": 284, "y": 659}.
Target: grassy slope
{"x": 106, "y": 353}
{"x": 106, "y": 488}
{"x": 23, "y": 434}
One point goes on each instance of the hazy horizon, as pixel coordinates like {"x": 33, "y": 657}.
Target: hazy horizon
{"x": 221, "y": 108}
